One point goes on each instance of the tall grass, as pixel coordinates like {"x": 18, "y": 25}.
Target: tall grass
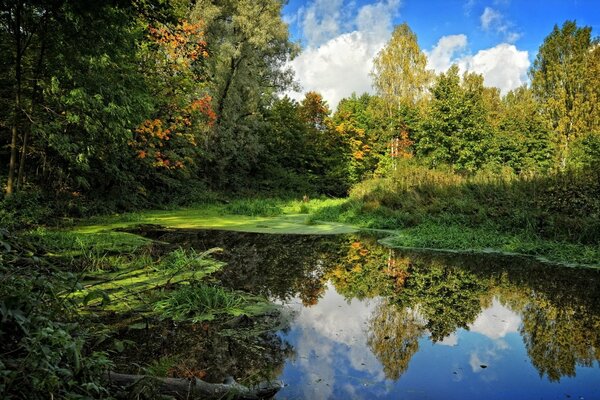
{"x": 562, "y": 206}
{"x": 201, "y": 302}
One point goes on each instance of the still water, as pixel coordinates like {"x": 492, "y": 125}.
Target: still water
{"x": 364, "y": 321}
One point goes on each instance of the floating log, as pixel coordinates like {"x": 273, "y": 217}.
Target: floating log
{"x": 182, "y": 388}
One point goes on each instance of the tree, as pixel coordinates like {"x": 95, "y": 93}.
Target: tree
{"x": 456, "y": 130}
{"x": 522, "y": 138}
{"x": 400, "y": 74}
{"x": 564, "y": 79}
{"x": 249, "y": 46}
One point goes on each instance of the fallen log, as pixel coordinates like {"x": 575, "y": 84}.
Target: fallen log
{"x": 182, "y": 388}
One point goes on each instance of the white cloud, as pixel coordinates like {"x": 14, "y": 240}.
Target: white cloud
{"x": 468, "y": 7}
{"x": 502, "y": 66}
{"x": 451, "y": 340}
{"x": 338, "y": 68}
{"x": 489, "y": 18}
{"x": 322, "y": 20}
{"x": 493, "y": 20}
{"x": 376, "y": 19}
{"x": 329, "y": 341}
{"x": 440, "y": 58}
{"x": 496, "y": 322}
{"x": 334, "y": 64}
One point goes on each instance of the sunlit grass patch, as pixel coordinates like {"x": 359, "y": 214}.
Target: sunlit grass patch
{"x": 200, "y": 302}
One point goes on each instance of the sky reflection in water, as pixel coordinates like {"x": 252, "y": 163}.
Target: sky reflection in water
{"x": 488, "y": 361}
{"x": 371, "y": 322}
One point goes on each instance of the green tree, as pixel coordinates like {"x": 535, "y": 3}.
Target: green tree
{"x": 249, "y": 46}
{"x": 564, "y": 79}
{"x": 456, "y": 130}
{"x": 522, "y": 139}
{"x": 400, "y": 74}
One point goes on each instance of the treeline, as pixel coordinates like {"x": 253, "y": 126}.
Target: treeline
{"x": 121, "y": 104}
{"x": 115, "y": 105}
{"x": 454, "y": 121}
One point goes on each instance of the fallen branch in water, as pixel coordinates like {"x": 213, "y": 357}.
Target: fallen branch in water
{"x": 198, "y": 389}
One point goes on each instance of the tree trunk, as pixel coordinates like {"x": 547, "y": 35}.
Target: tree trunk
{"x": 15, "y": 128}
{"x": 21, "y": 174}
{"x": 196, "y": 388}
{"x": 232, "y": 70}
{"x": 34, "y": 96}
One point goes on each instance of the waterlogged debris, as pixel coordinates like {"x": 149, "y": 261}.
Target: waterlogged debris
{"x": 483, "y": 366}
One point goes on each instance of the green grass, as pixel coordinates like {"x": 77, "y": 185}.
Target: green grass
{"x": 136, "y": 281}
{"x": 201, "y": 302}
{"x": 242, "y": 216}
{"x": 415, "y": 214}
{"x": 459, "y": 238}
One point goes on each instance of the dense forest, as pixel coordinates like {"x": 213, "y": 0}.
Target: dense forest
{"x": 126, "y": 105}
{"x": 112, "y": 106}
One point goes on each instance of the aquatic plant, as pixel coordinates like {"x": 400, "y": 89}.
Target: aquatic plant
{"x": 200, "y": 302}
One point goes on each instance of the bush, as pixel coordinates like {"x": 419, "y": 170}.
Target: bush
{"x": 42, "y": 353}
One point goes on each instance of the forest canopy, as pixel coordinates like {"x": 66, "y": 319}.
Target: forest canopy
{"x": 113, "y": 106}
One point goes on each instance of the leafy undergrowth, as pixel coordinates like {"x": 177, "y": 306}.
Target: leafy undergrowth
{"x": 440, "y": 237}
{"x": 421, "y": 208}
{"x": 53, "y": 306}
{"x": 44, "y": 348}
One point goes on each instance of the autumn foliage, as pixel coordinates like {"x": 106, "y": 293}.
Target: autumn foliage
{"x": 168, "y": 140}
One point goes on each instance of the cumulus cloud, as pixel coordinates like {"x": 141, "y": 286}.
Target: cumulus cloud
{"x": 321, "y": 21}
{"x": 338, "y": 68}
{"x": 441, "y": 57}
{"x": 496, "y": 322}
{"x": 493, "y": 20}
{"x": 338, "y": 64}
{"x": 376, "y": 19}
{"x": 502, "y": 66}
{"x": 328, "y": 342}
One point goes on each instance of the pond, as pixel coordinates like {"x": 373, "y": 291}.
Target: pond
{"x": 365, "y": 321}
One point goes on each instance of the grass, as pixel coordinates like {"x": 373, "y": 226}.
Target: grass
{"x": 201, "y": 302}
{"x": 136, "y": 281}
{"x": 555, "y": 217}
{"x": 458, "y": 238}
{"x": 277, "y": 216}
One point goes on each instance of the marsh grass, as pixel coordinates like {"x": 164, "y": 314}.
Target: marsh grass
{"x": 200, "y": 302}
{"x": 255, "y": 207}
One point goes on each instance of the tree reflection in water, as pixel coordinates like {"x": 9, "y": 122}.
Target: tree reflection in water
{"x": 421, "y": 294}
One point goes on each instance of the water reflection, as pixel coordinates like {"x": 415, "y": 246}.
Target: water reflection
{"x": 373, "y": 322}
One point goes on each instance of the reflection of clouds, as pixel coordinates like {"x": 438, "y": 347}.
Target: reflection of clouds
{"x": 488, "y": 357}
{"x": 333, "y": 337}
{"x": 496, "y": 321}
{"x": 450, "y": 340}
{"x": 475, "y": 362}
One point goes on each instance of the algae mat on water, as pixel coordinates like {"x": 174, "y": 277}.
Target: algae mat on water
{"x": 211, "y": 218}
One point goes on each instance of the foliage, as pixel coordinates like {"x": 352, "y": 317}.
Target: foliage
{"x": 43, "y": 350}
{"x": 456, "y": 132}
{"x": 400, "y": 70}
{"x": 565, "y": 80}
{"x": 201, "y": 302}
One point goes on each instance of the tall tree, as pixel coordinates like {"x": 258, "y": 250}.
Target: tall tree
{"x": 564, "y": 79}
{"x": 522, "y": 139}
{"x": 249, "y": 46}
{"x": 456, "y": 131}
{"x": 400, "y": 74}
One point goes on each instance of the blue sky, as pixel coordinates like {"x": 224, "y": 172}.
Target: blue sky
{"x": 497, "y": 38}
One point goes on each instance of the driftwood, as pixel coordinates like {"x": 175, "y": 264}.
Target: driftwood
{"x": 198, "y": 389}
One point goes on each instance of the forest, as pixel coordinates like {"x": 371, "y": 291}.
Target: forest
{"x": 125, "y": 112}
